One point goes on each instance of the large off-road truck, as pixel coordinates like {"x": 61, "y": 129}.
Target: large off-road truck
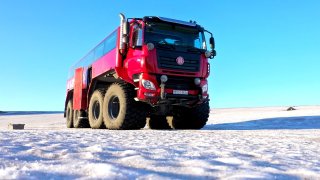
{"x": 148, "y": 70}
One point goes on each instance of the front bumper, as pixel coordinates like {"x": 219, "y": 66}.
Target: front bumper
{"x": 177, "y": 90}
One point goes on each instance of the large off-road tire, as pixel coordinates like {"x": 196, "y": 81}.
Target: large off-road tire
{"x": 69, "y": 114}
{"x": 158, "y": 122}
{"x": 95, "y": 109}
{"x": 190, "y": 118}
{"x": 199, "y": 116}
{"x": 80, "y": 122}
{"x": 120, "y": 110}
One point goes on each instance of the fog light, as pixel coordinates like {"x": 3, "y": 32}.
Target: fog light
{"x": 150, "y": 46}
{"x": 164, "y": 78}
{"x": 197, "y": 81}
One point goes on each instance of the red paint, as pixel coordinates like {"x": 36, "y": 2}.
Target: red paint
{"x": 79, "y": 93}
{"x": 104, "y": 64}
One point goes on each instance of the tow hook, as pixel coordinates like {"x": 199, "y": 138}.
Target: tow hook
{"x": 162, "y": 93}
{"x": 163, "y": 79}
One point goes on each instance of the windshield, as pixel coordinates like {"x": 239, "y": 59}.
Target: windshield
{"x": 174, "y": 35}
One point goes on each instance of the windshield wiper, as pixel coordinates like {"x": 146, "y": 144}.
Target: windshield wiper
{"x": 193, "y": 49}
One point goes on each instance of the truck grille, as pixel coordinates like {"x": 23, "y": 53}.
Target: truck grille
{"x": 167, "y": 60}
{"x": 179, "y": 83}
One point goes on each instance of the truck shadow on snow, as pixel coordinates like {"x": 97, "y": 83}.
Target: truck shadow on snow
{"x": 298, "y": 122}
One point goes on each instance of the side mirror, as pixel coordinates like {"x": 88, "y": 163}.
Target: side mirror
{"x": 212, "y": 44}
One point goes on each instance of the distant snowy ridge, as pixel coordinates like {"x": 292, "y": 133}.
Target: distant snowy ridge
{"x": 28, "y": 112}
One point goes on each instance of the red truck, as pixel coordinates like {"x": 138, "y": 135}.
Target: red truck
{"x": 148, "y": 70}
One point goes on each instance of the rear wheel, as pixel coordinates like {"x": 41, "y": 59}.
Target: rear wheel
{"x": 78, "y": 119}
{"x": 120, "y": 110}
{"x": 69, "y": 114}
{"x": 158, "y": 122}
{"x": 95, "y": 110}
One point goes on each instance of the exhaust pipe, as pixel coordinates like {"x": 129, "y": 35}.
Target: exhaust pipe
{"x": 122, "y": 21}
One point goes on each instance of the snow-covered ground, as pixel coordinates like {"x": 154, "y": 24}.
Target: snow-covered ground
{"x": 241, "y": 143}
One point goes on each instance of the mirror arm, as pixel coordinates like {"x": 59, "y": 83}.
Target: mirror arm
{"x": 208, "y": 32}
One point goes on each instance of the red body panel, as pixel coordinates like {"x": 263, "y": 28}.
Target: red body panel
{"x": 104, "y": 64}
{"x": 79, "y": 93}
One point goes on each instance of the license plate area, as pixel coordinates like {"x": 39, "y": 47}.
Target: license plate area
{"x": 180, "y": 92}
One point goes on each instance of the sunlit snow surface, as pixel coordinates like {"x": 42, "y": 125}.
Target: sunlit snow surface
{"x": 245, "y": 143}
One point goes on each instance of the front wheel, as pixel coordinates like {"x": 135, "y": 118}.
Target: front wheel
{"x": 190, "y": 118}
{"x": 120, "y": 110}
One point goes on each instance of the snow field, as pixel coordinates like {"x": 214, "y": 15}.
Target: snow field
{"x": 259, "y": 143}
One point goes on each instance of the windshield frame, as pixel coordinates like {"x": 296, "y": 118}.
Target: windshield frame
{"x": 188, "y": 35}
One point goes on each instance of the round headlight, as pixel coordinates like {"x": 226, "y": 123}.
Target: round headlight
{"x": 164, "y": 78}
{"x": 197, "y": 81}
{"x": 150, "y": 46}
{"x": 205, "y": 88}
{"x": 148, "y": 84}
{"x": 208, "y": 54}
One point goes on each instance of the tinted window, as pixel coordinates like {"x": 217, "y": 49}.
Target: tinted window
{"x": 110, "y": 42}
{"x": 104, "y": 47}
{"x": 98, "y": 52}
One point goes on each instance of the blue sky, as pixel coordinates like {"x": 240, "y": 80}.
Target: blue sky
{"x": 268, "y": 51}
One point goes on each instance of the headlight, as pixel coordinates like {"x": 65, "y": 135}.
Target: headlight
{"x": 148, "y": 84}
{"x": 205, "y": 88}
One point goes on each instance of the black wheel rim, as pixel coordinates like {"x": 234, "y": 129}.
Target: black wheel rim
{"x": 96, "y": 110}
{"x": 114, "y": 107}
